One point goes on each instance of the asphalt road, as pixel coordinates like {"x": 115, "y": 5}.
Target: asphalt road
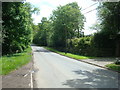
{"x": 56, "y": 71}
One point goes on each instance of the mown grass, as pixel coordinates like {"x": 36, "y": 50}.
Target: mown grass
{"x": 70, "y": 54}
{"x": 11, "y": 62}
{"x": 114, "y": 67}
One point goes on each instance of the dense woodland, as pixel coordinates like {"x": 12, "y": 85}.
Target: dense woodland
{"x": 62, "y": 31}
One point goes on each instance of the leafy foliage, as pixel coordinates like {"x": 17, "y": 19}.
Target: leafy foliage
{"x": 17, "y": 26}
{"x": 65, "y": 23}
{"x": 102, "y": 40}
{"x": 80, "y": 45}
{"x": 109, "y": 16}
{"x": 42, "y": 34}
{"x": 108, "y": 36}
{"x": 67, "y": 20}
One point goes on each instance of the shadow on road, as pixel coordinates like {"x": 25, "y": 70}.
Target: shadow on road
{"x": 97, "y": 79}
{"x": 42, "y": 51}
{"x": 33, "y": 44}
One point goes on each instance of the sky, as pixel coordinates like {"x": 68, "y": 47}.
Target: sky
{"x": 47, "y": 6}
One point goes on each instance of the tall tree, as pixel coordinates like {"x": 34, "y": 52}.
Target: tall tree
{"x": 109, "y": 17}
{"x": 17, "y": 26}
{"x": 66, "y": 21}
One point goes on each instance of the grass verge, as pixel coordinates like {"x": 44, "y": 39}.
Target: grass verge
{"x": 110, "y": 66}
{"x": 12, "y": 62}
{"x": 69, "y": 54}
{"x": 114, "y": 67}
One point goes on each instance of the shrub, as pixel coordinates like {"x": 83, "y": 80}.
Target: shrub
{"x": 79, "y": 45}
{"x": 97, "y": 45}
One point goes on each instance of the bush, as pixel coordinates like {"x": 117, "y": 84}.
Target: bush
{"x": 98, "y": 45}
{"x": 102, "y": 40}
{"x": 102, "y": 45}
{"x": 79, "y": 45}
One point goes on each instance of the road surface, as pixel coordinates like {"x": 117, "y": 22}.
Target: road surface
{"x": 57, "y": 71}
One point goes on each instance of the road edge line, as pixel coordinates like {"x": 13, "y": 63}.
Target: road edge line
{"x": 31, "y": 73}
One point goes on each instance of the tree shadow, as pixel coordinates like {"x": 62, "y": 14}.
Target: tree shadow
{"x": 96, "y": 79}
{"x": 42, "y": 50}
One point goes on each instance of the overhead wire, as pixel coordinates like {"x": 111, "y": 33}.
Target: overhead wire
{"x": 90, "y": 11}
{"x": 89, "y": 6}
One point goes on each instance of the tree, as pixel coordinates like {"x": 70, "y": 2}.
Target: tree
{"x": 109, "y": 17}
{"x": 17, "y": 26}
{"x": 67, "y": 20}
{"x": 41, "y": 36}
